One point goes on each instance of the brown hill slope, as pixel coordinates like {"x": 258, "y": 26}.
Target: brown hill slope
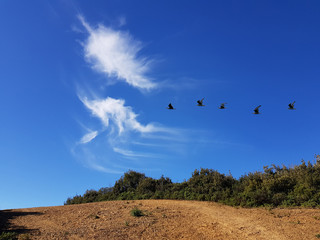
{"x": 164, "y": 219}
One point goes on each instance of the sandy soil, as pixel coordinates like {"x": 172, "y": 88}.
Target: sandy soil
{"x": 164, "y": 219}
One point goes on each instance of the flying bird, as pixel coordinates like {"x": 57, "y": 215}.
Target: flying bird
{"x": 291, "y": 105}
{"x": 222, "y": 106}
{"x": 256, "y": 110}
{"x": 170, "y": 107}
{"x": 200, "y": 102}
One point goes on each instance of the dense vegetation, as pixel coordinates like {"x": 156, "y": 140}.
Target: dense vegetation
{"x": 276, "y": 186}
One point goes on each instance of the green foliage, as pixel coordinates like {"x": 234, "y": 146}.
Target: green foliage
{"x": 75, "y": 200}
{"x": 8, "y": 236}
{"x": 129, "y": 182}
{"x": 90, "y": 196}
{"x": 147, "y": 186}
{"x": 136, "y": 212}
{"x": 275, "y": 186}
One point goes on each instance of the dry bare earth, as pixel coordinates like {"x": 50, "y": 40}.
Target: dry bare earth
{"x": 164, "y": 219}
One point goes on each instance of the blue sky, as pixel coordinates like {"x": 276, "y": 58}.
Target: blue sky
{"x": 85, "y": 86}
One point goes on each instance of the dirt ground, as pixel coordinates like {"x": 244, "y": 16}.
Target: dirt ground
{"x": 163, "y": 219}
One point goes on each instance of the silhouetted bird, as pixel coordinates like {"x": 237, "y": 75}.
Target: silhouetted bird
{"x": 170, "y": 106}
{"x": 200, "y": 102}
{"x": 256, "y": 110}
{"x": 291, "y": 106}
{"x": 222, "y": 106}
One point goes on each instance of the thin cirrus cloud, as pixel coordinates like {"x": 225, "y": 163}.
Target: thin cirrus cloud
{"x": 132, "y": 154}
{"x": 123, "y": 117}
{"x": 120, "y": 130}
{"x": 88, "y": 137}
{"x": 115, "y": 53}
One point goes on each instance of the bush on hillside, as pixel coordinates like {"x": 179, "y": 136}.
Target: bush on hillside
{"x": 275, "y": 186}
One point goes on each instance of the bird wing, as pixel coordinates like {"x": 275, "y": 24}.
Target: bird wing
{"x": 257, "y": 108}
{"x": 200, "y": 101}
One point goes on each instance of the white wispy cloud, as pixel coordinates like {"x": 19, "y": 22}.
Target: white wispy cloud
{"x": 115, "y": 53}
{"x": 122, "y": 21}
{"x": 120, "y": 131}
{"x": 103, "y": 169}
{"x": 133, "y": 154}
{"x": 123, "y": 117}
{"x": 92, "y": 160}
{"x": 88, "y": 137}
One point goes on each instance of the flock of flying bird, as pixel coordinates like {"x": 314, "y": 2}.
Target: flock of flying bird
{"x": 222, "y": 106}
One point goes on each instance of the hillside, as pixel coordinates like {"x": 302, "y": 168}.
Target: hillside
{"x": 163, "y": 219}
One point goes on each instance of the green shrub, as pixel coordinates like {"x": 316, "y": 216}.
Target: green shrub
{"x": 275, "y": 186}
{"x": 136, "y": 212}
{"x": 278, "y": 198}
{"x": 309, "y": 204}
{"x": 8, "y": 236}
